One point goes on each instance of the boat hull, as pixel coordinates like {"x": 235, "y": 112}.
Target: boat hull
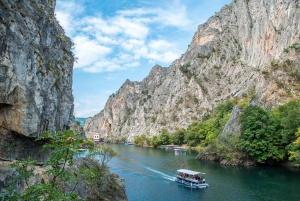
{"x": 199, "y": 184}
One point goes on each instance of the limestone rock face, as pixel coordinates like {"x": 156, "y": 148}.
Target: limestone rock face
{"x": 36, "y": 67}
{"x": 233, "y": 125}
{"x": 248, "y": 48}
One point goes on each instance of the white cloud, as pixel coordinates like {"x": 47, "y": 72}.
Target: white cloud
{"x": 103, "y": 66}
{"x": 88, "y": 110}
{"x": 159, "y": 45}
{"x": 174, "y": 15}
{"x": 65, "y": 19}
{"x": 99, "y": 26}
{"x": 162, "y": 57}
{"x": 133, "y": 64}
{"x": 107, "y": 44}
{"x": 132, "y": 44}
{"x": 88, "y": 51}
{"x": 132, "y": 28}
{"x": 65, "y": 15}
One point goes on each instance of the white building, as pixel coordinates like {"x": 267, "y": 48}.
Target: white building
{"x": 96, "y": 137}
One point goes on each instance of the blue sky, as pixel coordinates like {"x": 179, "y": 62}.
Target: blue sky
{"x": 117, "y": 40}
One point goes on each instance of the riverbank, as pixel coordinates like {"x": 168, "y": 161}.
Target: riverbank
{"x": 205, "y": 154}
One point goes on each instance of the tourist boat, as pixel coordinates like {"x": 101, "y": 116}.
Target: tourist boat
{"x": 191, "y": 178}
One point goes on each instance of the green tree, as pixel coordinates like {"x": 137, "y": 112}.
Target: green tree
{"x": 259, "y": 137}
{"x": 164, "y": 137}
{"x": 294, "y": 150}
{"x": 228, "y": 147}
{"x": 191, "y": 136}
{"x": 142, "y": 140}
{"x": 178, "y": 137}
{"x": 289, "y": 115}
{"x": 222, "y": 115}
{"x": 155, "y": 141}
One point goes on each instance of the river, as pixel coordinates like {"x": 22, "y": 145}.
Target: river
{"x": 149, "y": 175}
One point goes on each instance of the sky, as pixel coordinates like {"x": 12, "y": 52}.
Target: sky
{"x": 117, "y": 40}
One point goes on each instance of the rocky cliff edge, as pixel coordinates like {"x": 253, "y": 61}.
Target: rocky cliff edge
{"x": 36, "y": 67}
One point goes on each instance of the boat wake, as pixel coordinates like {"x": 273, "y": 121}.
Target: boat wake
{"x": 168, "y": 177}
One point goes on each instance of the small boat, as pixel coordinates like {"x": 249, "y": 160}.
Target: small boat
{"x": 128, "y": 143}
{"x": 179, "y": 149}
{"x": 170, "y": 146}
{"x": 191, "y": 178}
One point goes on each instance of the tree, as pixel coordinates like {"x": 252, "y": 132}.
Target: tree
{"x": 259, "y": 137}
{"x": 155, "y": 141}
{"x": 289, "y": 115}
{"x": 164, "y": 137}
{"x": 178, "y": 137}
{"x": 228, "y": 147}
{"x": 294, "y": 150}
{"x": 200, "y": 133}
{"x": 191, "y": 136}
{"x": 106, "y": 154}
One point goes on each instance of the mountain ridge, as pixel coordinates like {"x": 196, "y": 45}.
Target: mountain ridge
{"x": 245, "y": 48}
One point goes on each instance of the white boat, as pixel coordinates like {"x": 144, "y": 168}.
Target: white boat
{"x": 170, "y": 146}
{"x": 128, "y": 143}
{"x": 191, "y": 178}
{"x": 179, "y": 149}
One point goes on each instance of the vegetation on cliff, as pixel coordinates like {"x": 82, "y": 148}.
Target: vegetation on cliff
{"x": 266, "y": 137}
{"x": 63, "y": 176}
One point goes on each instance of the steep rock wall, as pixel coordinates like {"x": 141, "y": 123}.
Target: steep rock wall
{"x": 246, "y": 48}
{"x": 36, "y": 67}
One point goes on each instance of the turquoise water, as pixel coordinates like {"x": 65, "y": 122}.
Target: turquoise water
{"x": 149, "y": 175}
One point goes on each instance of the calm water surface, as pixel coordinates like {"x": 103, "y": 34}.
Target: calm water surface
{"x": 149, "y": 175}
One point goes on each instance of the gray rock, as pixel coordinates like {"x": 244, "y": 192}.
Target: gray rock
{"x": 233, "y": 126}
{"x": 36, "y": 67}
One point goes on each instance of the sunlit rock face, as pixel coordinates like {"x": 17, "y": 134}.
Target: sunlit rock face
{"x": 36, "y": 67}
{"x": 248, "y": 48}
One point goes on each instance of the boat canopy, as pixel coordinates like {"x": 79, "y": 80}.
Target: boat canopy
{"x": 190, "y": 172}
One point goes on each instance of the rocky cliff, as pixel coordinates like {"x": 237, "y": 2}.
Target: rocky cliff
{"x": 36, "y": 67}
{"x": 248, "y": 47}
